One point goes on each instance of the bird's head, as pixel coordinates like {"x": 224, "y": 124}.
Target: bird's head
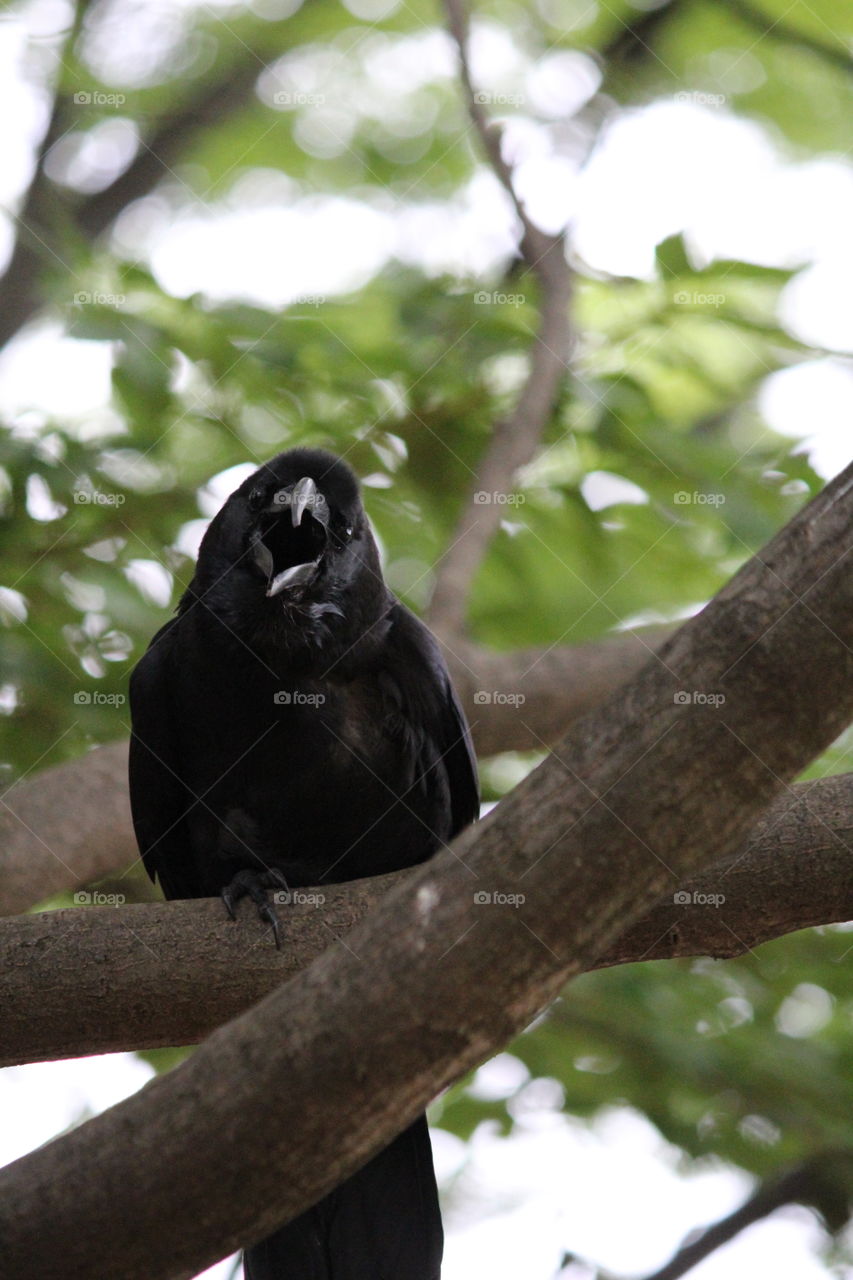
{"x": 290, "y": 561}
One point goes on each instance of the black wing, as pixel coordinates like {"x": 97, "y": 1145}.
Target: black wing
{"x": 461, "y": 764}
{"x": 159, "y": 801}
{"x": 434, "y": 704}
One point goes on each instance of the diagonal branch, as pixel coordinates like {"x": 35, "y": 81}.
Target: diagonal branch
{"x": 769, "y": 25}
{"x": 515, "y": 437}
{"x": 210, "y": 104}
{"x": 247, "y": 1132}
{"x": 142, "y": 976}
{"x": 823, "y": 1182}
{"x": 21, "y": 288}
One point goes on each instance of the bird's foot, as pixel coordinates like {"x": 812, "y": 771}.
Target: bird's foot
{"x": 254, "y": 885}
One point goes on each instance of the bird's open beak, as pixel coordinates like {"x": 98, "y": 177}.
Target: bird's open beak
{"x": 305, "y": 496}
{"x": 290, "y": 552}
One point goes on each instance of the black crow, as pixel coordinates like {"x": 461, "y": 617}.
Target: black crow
{"x": 294, "y": 725}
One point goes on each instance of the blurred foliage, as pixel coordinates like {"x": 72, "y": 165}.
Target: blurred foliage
{"x": 405, "y": 377}
{"x": 749, "y": 1061}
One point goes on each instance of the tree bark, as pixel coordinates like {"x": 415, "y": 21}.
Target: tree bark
{"x": 646, "y": 791}
{"x": 64, "y": 828}
{"x": 136, "y": 977}
{"x": 549, "y": 687}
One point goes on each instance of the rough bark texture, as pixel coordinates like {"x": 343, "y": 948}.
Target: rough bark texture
{"x": 101, "y": 979}
{"x": 64, "y": 828}
{"x": 641, "y": 794}
{"x": 550, "y": 687}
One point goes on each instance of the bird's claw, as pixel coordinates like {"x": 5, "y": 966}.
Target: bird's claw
{"x": 254, "y": 884}
{"x": 266, "y": 912}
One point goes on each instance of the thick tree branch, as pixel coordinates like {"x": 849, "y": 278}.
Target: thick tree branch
{"x": 516, "y": 437}
{"x": 647, "y": 789}
{"x": 64, "y": 828}
{"x": 136, "y": 977}
{"x": 70, "y": 825}
{"x": 533, "y": 695}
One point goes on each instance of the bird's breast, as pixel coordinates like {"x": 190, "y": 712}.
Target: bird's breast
{"x": 360, "y": 726}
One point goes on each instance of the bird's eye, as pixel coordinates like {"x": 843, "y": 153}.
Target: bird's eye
{"x": 348, "y": 531}
{"x": 256, "y": 498}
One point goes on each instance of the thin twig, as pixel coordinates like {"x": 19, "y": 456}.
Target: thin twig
{"x": 821, "y": 1182}
{"x": 516, "y": 437}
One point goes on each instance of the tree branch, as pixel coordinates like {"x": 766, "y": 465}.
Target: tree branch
{"x": 64, "y": 828}
{"x": 550, "y": 687}
{"x": 45, "y": 202}
{"x": 768, "y": 25}
{"x": 19, "y": 289}
{"x": 646, "y": 791}
{"x": 516, "y": 437}
{"x": 633, "y": 40}
{"x": 208, "y": 106}
{"x": 822, "y": 1182}
{"x": 137, "y": 977}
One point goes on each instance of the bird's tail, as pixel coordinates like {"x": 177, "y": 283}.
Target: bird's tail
{"x": 383, "y": 1223}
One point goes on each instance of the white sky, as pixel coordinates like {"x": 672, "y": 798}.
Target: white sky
{"x": 611, "y": 1192}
